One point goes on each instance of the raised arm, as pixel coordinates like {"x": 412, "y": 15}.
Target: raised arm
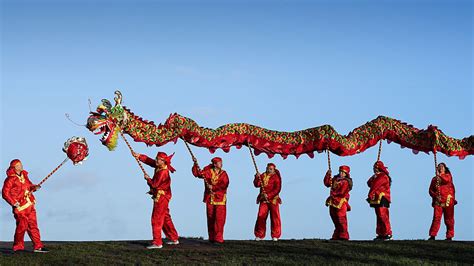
{"x": 256, "y": 180}
{"x": 147, "y": 160}
{"x": 328, "y": 179}
{"x": 197, "y": 172}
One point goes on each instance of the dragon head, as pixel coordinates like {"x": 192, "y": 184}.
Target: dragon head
{"x": 108, "y": 120}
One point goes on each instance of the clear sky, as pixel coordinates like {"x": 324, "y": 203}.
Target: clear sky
{"x": 284, "y": 65}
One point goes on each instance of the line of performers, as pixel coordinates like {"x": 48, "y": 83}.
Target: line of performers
{"x": 18, "y": 192}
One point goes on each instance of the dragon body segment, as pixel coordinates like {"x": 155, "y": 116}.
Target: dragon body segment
{"x": 109, "y": 120}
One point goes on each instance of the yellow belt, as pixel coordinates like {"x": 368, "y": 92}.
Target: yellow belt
{"x": 223, "y": 202}
{"x": 28, "y": 202}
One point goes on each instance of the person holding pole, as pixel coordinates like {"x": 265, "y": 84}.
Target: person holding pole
{"x": 269, "y": 200}
{"x": 338, "y": 200}
{"x": 442, "y": 192}
{"x": 160, "y": 188}
{"x": 379, "y": 199}
{"x": 216, "y": 182}
{"x": 18, "y": 192}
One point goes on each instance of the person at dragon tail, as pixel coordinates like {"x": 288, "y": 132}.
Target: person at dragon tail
{"x": 338, "y": 200}
{"x": 216, "y": 182}
{"x": 379, "y": 199}
{"x": 269, "y": 201}
{"x": 442, "y": 192}
{"x": 160, "y": 189}
{"x": 18, "y": 192}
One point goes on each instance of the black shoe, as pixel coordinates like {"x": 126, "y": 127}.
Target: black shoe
{"x": 387, "y": 238}
{"x": 378, "y": 238}
{"x": 449, "y": 239}
{"x": 41, "y": 250}
{"x": 432, "y": 238}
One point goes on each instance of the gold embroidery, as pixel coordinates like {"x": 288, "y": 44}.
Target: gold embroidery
{"x": 28, "y": 202}
{"x": 21, "y": 178}
{"x": 158, "y": 195}
{"x": 448, "y": 201}
{"x": 377, "y": 201}
{"x": 223, "y": 202}
{"x": 275, "y": 200}
{"x": 265, "y": 179}
{"x": 330, "y": 203}
{"x": 214, "y": 177}
{"x": 214, "y": 181}
{"x": 158, "y": 168}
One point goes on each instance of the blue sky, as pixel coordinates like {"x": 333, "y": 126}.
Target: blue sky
{"x": 284, "y": 65}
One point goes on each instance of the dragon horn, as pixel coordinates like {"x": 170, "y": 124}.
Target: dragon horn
{"x": 118, "y": 97}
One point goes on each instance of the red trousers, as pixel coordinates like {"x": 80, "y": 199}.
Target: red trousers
{"x": 161, "y": 220}
{"x": 383, "y": 221}
{"x": 275, "y": 221}
{"x": 215, "y": 222}
{"x": 448, "y": 220}
{"x": 26, "y": 222}
{"x": 339, "y": 218}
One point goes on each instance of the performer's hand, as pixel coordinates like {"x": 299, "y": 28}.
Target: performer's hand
{"x": 136, "y": 155}
{"x": 329, "y": 172}
{"x": 35, "y": 188}
{"x": 16, "y": 205}
{"x": 257, "y": 174}
{"x": 209, "y": 187}
{"x": 147, "y": 177}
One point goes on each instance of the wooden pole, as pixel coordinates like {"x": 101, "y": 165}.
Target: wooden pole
{"x": 257, "y": 172}
{"x": 52, "y": 172}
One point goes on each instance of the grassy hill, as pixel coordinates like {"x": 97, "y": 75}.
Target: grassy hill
{"x": 197, "y": 251}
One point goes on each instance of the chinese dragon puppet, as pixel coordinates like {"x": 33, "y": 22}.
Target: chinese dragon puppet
{"x": 110, "y": 120}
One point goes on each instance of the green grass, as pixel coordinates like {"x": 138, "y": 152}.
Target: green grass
{"x": 196, "y": 251}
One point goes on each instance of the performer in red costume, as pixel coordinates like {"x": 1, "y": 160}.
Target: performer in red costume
{"x": 442, "y": 191}
{"x": 338, "y": 200}
{"x": 379, "y": 199}
{"x": 18, "y": 192}
{"x": 160, "y": 188}
{"x": 269, "y": 200}
{"x": 215, "y": 196}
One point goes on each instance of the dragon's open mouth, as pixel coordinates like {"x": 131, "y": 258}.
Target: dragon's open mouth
{"x": 104, "y": 129}
{"x": 99, "y": 124}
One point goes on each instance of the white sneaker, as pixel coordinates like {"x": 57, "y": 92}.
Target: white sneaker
{"x": 258, "y": 239}
{"x": 41, "y": 250}
{"x": 172, "y": 242}
{"x": 154, "y": 246}
{"x": 275, "y": 239}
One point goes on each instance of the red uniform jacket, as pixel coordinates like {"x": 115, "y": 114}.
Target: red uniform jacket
{"x": 339, "y": 194}
{"x": 219, "y": 183}
{"x": 18, "y": 189}
{"x": 379, "y": 187}
{"x": 160, "y": 185}
{"x": 442, "y": 193}
{"x": 271, "y": 185}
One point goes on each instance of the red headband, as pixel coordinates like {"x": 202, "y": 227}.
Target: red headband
{"x": 167, "y": 159}
{"x": 216, "y": 160}
{"x": 346, "y": 169}
{"x": 13, "y": 163}
{"x": 381, "y": 167}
